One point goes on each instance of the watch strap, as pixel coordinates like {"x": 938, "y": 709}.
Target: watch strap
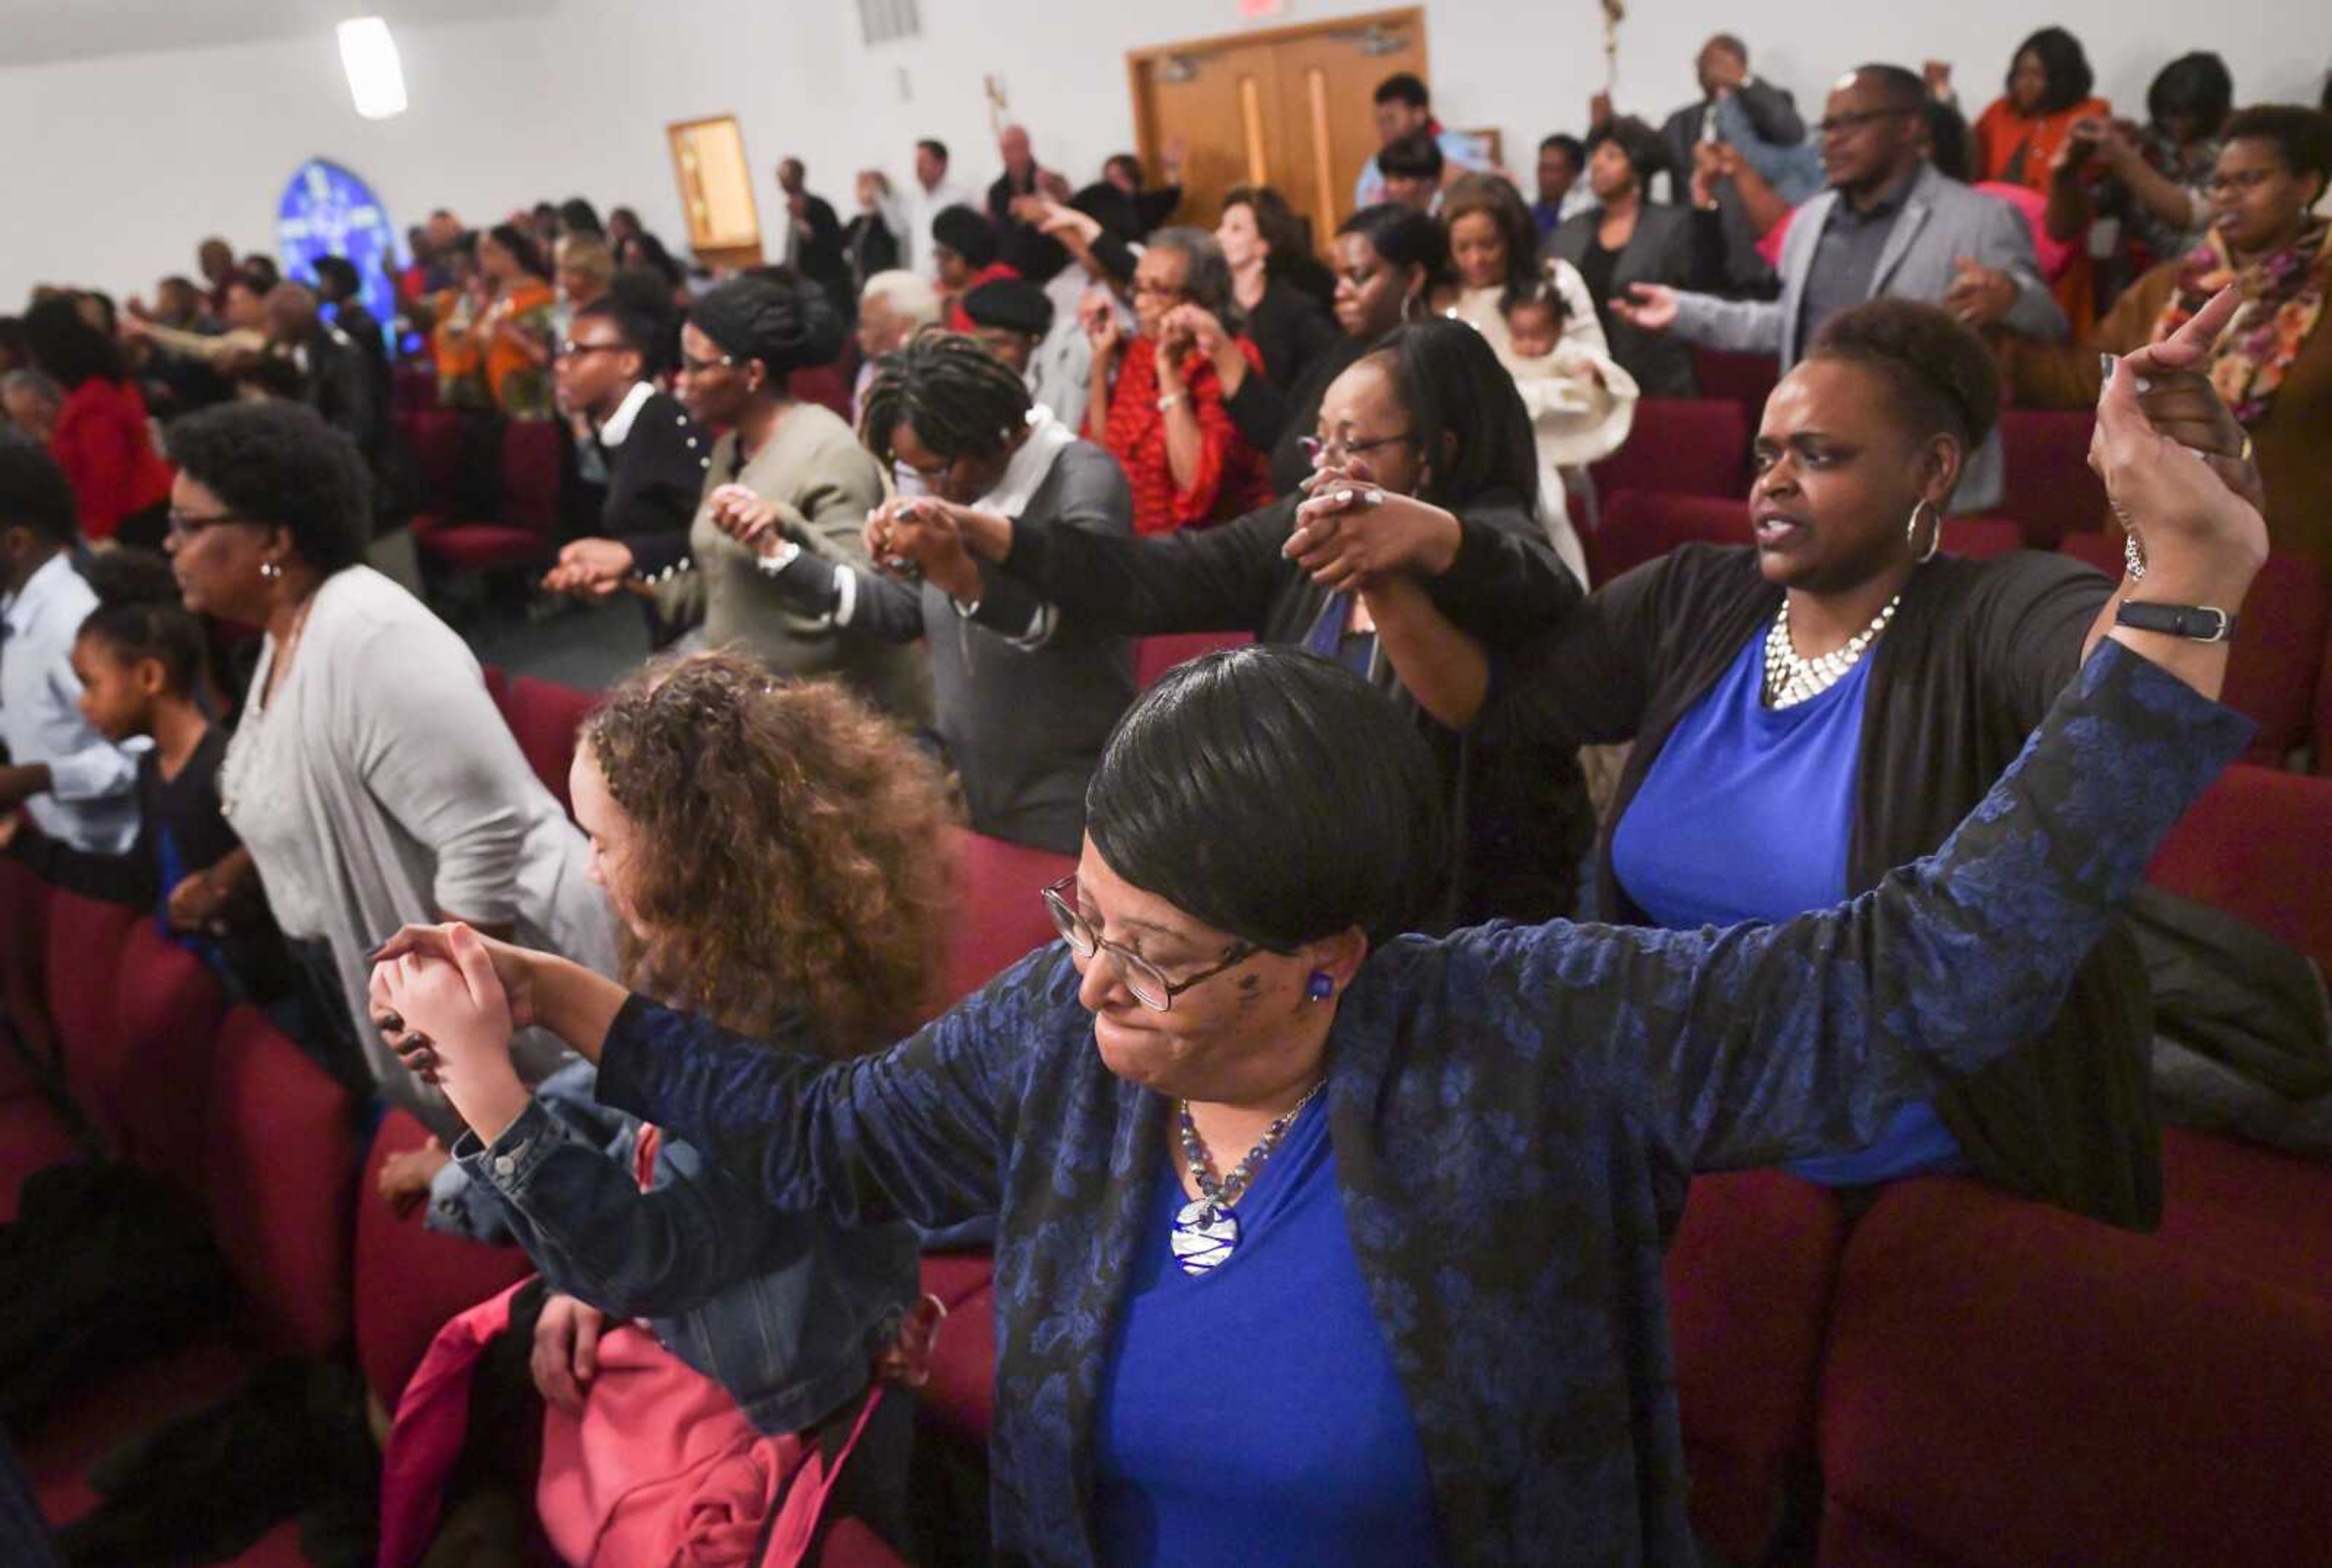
{"x": 2199, "y": 623}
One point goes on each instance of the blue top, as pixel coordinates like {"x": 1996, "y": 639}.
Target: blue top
{"x": 1514, "y": 1110}
{"x": 1747, "y": 814}
{"x": 1252, "y": 1414}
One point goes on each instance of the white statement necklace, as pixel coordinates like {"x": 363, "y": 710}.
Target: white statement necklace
{"x": 1791, "y": 679}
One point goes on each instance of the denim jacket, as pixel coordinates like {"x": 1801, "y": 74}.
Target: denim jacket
{"x": 1515, "y": 1113}
{"x": 784, "y": 1311}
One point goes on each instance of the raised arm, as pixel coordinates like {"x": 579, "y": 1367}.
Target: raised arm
{"x": 1216, "y": 579}
{"x": 596, "y": 1236}
{"x": 918, "y": 1133}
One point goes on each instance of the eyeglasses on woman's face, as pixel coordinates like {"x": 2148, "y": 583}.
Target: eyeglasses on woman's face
{"x": 186, "y": 525}
{"x": 571, "y": 349}
{"x": 1146, "y": 980}
{"x": 1341, "y": 449}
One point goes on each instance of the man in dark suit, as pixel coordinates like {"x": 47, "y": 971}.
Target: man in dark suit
{"x": 654, "y": 455}
{"x": 814, "y": 246}
{"x": 318, "y": 364}
{"x": 1012, "y": 206}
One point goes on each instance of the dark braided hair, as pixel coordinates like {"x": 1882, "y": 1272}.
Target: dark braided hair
{"x": 139, "y": 615}
{"x": 962, "y": 400}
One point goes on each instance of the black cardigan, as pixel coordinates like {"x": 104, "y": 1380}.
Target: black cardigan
{"x": 1290, "y": 331}
{"x": 655, "y": 481}
{"x": 1520, "y": 819}
{"x": 1970, "y": 665}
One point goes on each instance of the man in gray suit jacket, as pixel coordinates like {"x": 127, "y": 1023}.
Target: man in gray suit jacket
{"x": 1889, "y": 224}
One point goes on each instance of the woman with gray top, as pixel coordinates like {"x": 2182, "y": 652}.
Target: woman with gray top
{"x": 741, "y": 342}
{"x": 1025, "y": 696}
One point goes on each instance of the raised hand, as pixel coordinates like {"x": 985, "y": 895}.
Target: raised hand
{"x": 1651, "y": 306}
{"x": 1195, "y": 326}
{"x": 1938, "y": 74}
{"x": 2183, "y": 484}
{"x": 1098, "y": 315}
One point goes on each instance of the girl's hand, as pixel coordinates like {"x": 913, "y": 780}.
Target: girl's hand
{"x": 448, "y": 1020}
{"x": 566, "y": 1351}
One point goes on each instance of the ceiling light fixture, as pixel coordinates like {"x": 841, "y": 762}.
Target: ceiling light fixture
{"x": 376, "y": 75}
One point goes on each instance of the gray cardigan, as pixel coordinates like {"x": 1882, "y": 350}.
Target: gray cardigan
{"x": 1025, "y": 696}
{"x": 1942, "y": 221}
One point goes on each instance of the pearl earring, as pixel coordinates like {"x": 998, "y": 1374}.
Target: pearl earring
{"x": 269, "y": 571}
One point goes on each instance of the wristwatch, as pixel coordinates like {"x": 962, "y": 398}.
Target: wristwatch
{"x": 2202, "y": 622}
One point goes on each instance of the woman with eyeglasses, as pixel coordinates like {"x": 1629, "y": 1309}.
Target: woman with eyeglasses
{"x": 370, "y": 777}
{"x": 739, "y": 345}
{"x": 1426, "y": 431}
{"x": 1156, "y": 401}
{"x": 1390, "y": 258}
{"x": 2269, "y": 235}
{"x": 1023, "y": 695}
{"x": 1349, "y": 1252}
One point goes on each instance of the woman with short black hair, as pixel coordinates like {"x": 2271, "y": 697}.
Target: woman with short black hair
{"x": 1023, "y": 695}
{"x": 1627, "y": 238}
{"x": 1811, "y": 709}
{"x": 370, "y": 775}
{"x": 742, "y": 341}
{"x": 2023, "y": 135}
{"x": 1322, "y": 1246}
{"x": 101, "y": 437}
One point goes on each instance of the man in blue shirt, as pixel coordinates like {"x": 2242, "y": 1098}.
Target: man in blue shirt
{"x": 1403, "y": 109}
{"x": 77, "y": 786}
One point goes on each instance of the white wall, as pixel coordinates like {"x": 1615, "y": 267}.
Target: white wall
{"x": 116, "y": 166}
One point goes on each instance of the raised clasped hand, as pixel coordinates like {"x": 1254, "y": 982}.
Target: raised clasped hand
{"x": 745, "y": 517}
{"x": 1349, "y": 529}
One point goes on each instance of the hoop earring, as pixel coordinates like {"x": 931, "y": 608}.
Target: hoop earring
{"x": 1934, "y": 540}
{"x": 269, "y": 571}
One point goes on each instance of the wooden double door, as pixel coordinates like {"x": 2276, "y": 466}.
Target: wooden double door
{"x": 1292, "y": 108}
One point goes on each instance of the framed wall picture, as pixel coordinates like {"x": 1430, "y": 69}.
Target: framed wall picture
{"x": 716, "y": 190}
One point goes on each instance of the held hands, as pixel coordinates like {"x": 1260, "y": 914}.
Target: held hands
{"x": 448, "y": 1000}
{"x": 1097, "y": 314}
{"x": 1651, "y": 306}
{"x": 1978, "y": 295}
{"x": 590, "y": 569}
{"x": 1350, "y": 531}
{"x": 747, "y": 518}
{"x": 2181, "y": 484}
{"x": 197, "y": 904}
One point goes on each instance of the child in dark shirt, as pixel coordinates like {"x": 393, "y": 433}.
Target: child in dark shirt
{"x": 139, "y": 656}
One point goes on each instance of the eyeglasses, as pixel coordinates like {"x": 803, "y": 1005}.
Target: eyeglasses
{"x": 692, "y": 365}
{"x": 1316, "y": 448}
{"x": 1147, "y": 983}
{"x": 571, "y": 349}
{"x": 186, "y": 527}
{"x": 2240, "y": 183}
{"x": 1143, "y": 286}
{"x": 1845, "y": 124}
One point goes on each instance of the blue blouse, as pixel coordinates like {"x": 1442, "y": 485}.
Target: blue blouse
{"x": 1516, "y": 1111}
{"x": 1747, "y": 814}
{"x": 1252, "y": 1414}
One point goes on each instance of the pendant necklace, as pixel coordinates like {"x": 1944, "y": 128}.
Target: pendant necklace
{"x": 1206, "y": 1230}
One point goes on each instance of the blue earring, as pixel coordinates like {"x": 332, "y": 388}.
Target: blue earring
{"x": 1320, "y": 988}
